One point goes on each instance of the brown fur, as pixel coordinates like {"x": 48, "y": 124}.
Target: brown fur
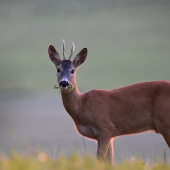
{"x": 104, "y": 114}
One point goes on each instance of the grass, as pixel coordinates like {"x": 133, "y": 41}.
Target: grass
{"x": 73, "y": 162}
{"x": 126, "y": 43}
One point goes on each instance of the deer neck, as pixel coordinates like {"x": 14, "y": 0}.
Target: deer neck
{"x": 71, "y": 100}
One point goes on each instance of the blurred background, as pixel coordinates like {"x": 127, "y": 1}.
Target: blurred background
{"x": 128, "y": 42}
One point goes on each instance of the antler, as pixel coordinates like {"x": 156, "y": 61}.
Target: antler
{"x": 72, "y": 50}
{"x": 64, "y": 55}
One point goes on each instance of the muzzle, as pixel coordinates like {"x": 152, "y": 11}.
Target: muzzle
{"x": 63, "y": 84}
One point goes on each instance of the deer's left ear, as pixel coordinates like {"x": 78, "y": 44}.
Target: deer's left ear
{"x": 80, "y": 57}
{"x": 53, "y": 55}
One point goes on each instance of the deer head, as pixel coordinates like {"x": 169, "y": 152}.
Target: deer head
{"x": 66, "y": 68}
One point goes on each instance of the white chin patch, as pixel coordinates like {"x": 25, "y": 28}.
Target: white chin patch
{"x": 63, "y": 87}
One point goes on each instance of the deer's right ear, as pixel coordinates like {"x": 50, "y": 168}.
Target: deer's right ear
{"x": 53, "y": 55}
{"x": 80, "y": 57}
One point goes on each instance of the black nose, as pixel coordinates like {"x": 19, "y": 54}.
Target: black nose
{"x": 64, "y": 84}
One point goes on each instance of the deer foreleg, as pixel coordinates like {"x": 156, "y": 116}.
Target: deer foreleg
{"x": 110, "y": 152}
{"x": 103, "y": 145}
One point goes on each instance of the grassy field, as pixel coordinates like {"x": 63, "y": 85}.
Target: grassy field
{"x": 128, "y": 42}
{"x": 41, "y": 161}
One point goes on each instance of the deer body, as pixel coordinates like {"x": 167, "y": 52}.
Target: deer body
{"x": 104, "y": 114}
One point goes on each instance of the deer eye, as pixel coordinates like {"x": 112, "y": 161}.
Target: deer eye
{"x": 72, "y": 71}
{"x": 58, "y": 70}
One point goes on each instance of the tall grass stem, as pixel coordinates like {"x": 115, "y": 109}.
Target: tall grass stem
{"x": 85, "y": 147}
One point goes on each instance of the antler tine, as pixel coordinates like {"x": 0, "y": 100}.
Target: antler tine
{"x": 72, "y": 50}
{"x": 64, "y": 55}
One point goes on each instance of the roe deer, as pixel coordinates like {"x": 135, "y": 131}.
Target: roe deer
{"x": 104, "y": 114}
